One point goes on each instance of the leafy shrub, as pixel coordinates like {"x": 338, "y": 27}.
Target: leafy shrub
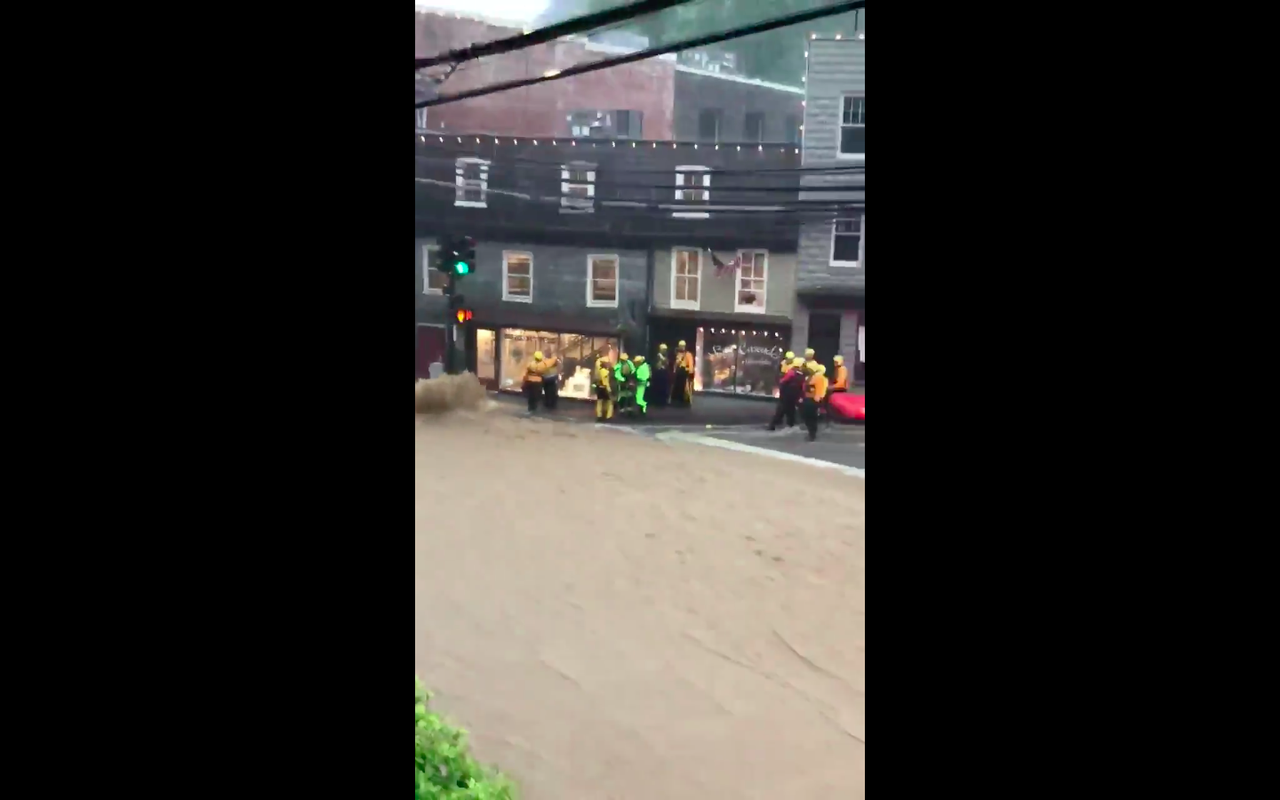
{"x": 444, "y": 768}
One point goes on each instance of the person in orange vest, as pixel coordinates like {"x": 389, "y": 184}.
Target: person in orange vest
{"x": 532, "y": 384}
{"x": 839, "y": 383}
{"x": 786, "y": 363}
{"x": 682, "y": 384}
{"x": 815, "y": 390}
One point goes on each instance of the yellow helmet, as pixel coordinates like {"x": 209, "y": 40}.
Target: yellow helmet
{"x": 639, "y": 359}
{"x": 797, "y": 362}
{"x": 809, "y": 353}
{"x": 838, "y": 360}
{"x": 662, "y": 347}
{"x": 818, "y": 369}
{"x": 790, "y": 355}
{"x": 537, "y": 355}
{"x": 680, "y": 343}
{"x": 624, "y": 357}
{"x": 811, "y": 366}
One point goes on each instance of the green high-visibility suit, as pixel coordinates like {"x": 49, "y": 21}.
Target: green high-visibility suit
{"x": 642, "y": 383}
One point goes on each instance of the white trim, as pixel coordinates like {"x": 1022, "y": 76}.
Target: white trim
{"x": 694, "y": 305}
{"x": 840, "y": 126}
{"x": 506, "y": 295}
{"x": 862, "y": 227}
{"x": 796, "y": 90}
{"x": 681, "y": 171}
{"x": 462, "y": 182}
{"x": 738, "y": 308}
{"x": 617, "y": 279}
{"x": 578, "y": 204}
{"x": 427, "y": 270}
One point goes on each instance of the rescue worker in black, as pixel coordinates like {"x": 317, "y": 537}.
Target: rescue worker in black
{"x": 661, "y": 390}
{"x": 790, "y": 391}
{"x": 551, "y": 381}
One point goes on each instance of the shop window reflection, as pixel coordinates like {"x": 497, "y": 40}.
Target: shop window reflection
{"x": 738, "y": 361}
{"x": 576, "y": 353}
{"x": 484, "y": 354}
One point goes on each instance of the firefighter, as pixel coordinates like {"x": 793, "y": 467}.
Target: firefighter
{"x": 810, "y": 354}
{"x": 815, "y": 390}
{"x": 682, "y": 384}
{"x": 786, "y": 363}
{"x": 839, "y": 382}
{"x": 604, "y": 391}
{"x": 550, "y": 382}
{"x": 532, "y": 385}
{"x": 790, "y": 390}
{"x": 623, "y": 372}
{"x": 642, "y": 383}
{"x": 661, "y": 378}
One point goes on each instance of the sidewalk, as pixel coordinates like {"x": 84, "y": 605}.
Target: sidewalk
{"x": 708, "y": 409}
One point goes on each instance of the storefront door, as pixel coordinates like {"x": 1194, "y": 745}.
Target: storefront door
{"x": 824, "y": 335}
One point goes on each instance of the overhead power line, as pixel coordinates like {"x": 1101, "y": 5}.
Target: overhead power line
{"x": 641, "y": 55}
{"x": 569, "y": 27}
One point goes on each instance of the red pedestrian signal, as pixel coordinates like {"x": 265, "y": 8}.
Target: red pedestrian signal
{"x": 463, "y": 315}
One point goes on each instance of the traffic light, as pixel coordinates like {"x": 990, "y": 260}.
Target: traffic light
{"x": 457, "y": 255}
{"x": 463, "y": 315}
{"x": 464, "y": 256}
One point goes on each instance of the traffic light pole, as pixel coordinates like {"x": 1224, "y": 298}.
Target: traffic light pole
{"x": 449, "y": 328}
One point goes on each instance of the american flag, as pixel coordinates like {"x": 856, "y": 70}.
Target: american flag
{"x": 722, "y": 268}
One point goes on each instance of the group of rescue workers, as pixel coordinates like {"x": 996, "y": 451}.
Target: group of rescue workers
{"x": 629, "y": 385}
{"x": 804, "y": 385}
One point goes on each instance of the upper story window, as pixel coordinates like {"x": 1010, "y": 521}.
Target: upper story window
{"x": 473, "y": 182}
{"x": 853, "y": 126}
{"x": 421, "y": 119}
{"x": 517, "y": 276}
{"x": 847, "y": 249}
{"x": 578, "y": 187}
{"x": 709, "y": 124}
{"x": 433, "y": 280}
{"x": 602, "y": 281}
{"x": 686, "y": 274}
{"x": 693, "y": 185}
{"x": 753, "y": 269}
{"x": 753, "y": 130}
{"x": 628, "y": 124}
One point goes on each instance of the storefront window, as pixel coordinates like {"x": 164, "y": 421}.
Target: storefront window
{"x": 738, "y": 361}
{"x": 484, "y": 354}
{"x": 577, "y": 354}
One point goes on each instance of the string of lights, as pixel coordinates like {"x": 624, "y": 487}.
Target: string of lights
{"x": 641, "y": 55}
{"x": 465, "y": 152}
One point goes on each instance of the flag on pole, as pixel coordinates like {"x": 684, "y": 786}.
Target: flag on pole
{"x": 722, "y": 268}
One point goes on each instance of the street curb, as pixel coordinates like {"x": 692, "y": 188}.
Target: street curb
{"x": 760, "y": 451}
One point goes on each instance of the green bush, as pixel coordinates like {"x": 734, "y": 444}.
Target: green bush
{"x": 444, "y": 769}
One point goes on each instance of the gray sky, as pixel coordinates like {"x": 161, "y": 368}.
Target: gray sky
{"x": 511, "y": 10}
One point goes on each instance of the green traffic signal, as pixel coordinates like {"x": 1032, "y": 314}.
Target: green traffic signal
{"x": 462, "y": 268}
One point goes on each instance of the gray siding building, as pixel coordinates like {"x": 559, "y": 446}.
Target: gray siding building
{"x": 830, "y": 312}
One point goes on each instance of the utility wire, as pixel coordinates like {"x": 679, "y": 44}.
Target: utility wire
{"x": 641, "y": 55}
{"x": 587, "y": 22}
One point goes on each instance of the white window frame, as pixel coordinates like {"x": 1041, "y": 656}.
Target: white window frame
{"x": 420, "y": 119}
{"x": 460, "y": 171}
{"x": 840, "y": 126}
{"x": 592, "y": 258}
{"x": 695, "y": 305}
{"x": 427, "y": 271}
{"x": 506, "y": 283}
{"x": 681, "y": 172}
{"x": 862, "y": 242}
{"x": 738, "y": 307}
{"x": 583, "y": 205}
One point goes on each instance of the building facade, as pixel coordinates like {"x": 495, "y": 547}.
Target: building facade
{"x": 830, "y": 310}
{"x": 694, "y": 98}
{"x": 589, "y": 247}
